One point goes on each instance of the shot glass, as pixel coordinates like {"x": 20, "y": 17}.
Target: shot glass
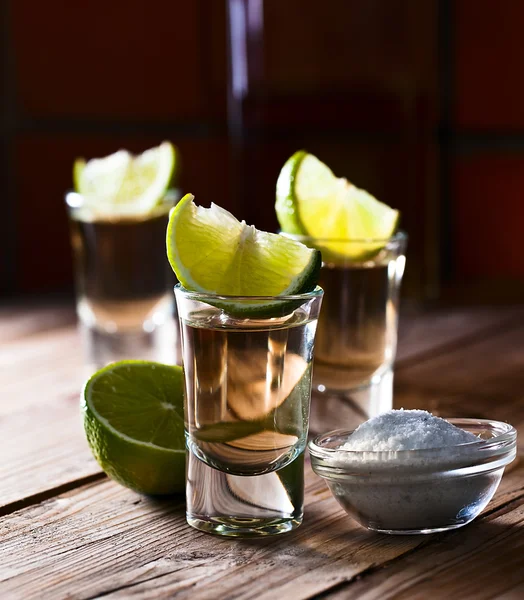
{"x": 357, "y": 329}
{"x": 123, "y": 284}
{"x": 248, "y": 390}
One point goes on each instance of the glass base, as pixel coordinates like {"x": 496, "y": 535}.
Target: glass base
{"x": 244, "y": 506}
{"x": 244, "y": 528}
{"x": 348, "y": 409}
{"x": 418, "y": 531}
{"x": 160, "y": 345}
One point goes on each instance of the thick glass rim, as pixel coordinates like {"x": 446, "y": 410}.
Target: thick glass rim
{"x": 205, "y": 296}
{"x": 399, "y": 236}
{"x": 505, "y": 434}
{"x": 76, "y": 200}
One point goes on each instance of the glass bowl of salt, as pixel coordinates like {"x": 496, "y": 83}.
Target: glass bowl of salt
{"x": 409, "y": 472}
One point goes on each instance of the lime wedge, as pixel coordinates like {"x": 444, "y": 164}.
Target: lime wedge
{"x": 134, "y": 422}
{"x": 122, "y": 184}
{"x": 211, "y": 252}
{"x": 311, "y": 201}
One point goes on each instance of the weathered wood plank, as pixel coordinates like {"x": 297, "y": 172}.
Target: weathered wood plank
{"x": 42, "y": 449}
{"x": 40, "y": 370}
{"x": 41, "y": 376}
{"x": 508, "y": 405}
{"x": 516, "y": 593}
{"x": 423, "y": 333}
{"x": 340, "y": 557}
{"x": 485, "y": 366}
{"x": 424, "y": 337}
{"x": 41, "y": 437}
{"x": 482, "y": 561}
{"x": 104, "y": 539}
{"x": 23, "y": 319}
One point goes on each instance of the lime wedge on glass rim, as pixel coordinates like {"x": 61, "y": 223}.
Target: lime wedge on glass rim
{"x": 134, "y": 423}
{"x": 311, "y": 201}
{"x": 122, "y": 184}
{"x": 213, "y": 253}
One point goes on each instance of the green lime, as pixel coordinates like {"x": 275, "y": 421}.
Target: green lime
{"x": 134, "y": 422}
{"x": 311, "y": 201}
{"x": 126, "y": 185}
{"x": 212, "y": 252}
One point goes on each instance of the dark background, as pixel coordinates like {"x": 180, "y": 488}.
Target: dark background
{"x": 419, "y": 101}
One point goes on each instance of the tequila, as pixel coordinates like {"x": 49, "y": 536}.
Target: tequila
{"x": 123, "y": 281}
{"x": 123, "y": 277}
{"x": 357, "y": 330}
{"x": 356, "y": 337}
{"x": 253, "y": 389}
{"x": 248, "y": 387}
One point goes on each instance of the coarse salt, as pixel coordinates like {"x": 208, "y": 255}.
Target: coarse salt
{"x": 406, "y": 430}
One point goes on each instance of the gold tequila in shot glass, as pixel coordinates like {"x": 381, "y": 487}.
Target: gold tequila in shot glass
{"x": 123, "y": 281}
{"x": 363, "y": 263}
{"x": 357, "y": 330}
{"x": 248, "y": 390}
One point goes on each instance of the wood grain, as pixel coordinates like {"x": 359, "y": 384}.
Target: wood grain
{"x": 421, "y": 334}
{"x": 42, "y": 372}
{"x": 27, "y": 318}
{"x": 40, "y": 369}
{"x": 63, "y": 538}
{"x": 103, "y": 537}
{"x": 490, "y": 367}
{"x": 41, "y": 437}
{"x": 481, "y": 561}
{"x": 42, "y": 449}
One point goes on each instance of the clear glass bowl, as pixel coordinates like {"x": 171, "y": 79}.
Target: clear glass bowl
{"x": 416, "y": 491}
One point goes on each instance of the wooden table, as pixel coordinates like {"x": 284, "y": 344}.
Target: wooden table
{"x": 68, "y": 532}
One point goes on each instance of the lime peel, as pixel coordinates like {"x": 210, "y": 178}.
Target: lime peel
{"x": 127, "y": 407}
{"x": 212, "y": 252}
{"x": 125, "y": 185}
{"x": 345, "y": 222}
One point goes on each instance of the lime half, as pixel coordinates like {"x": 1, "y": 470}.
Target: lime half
{"x": 125, "y": 185}
{"x": 311, "y": 201}
{"x": 134, "y": 422}
{"x": 214, "y": 253}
